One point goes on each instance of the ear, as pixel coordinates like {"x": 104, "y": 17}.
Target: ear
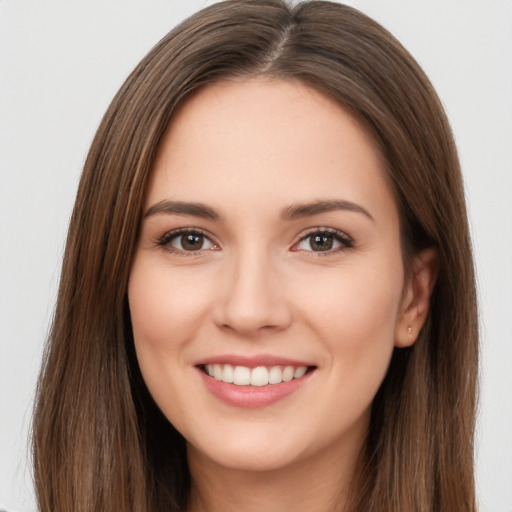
{"x": 416, "y": 297}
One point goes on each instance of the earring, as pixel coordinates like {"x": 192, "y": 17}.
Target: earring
{"x": 409, "y": 331}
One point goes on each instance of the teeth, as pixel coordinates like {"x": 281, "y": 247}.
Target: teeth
{"x": 259, "y": 376}
{"x": 228, "y": 373}
{"x": 299, "y": 372}
{"x": 242, "y": 376}
{"x": 217, "y": 371}
{"x": 275, "y": 375}
{"x": 288, "y": 373}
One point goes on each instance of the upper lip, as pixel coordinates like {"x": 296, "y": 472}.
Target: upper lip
{"x": 252, "y": 361}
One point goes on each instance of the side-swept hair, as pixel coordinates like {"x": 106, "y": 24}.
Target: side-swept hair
{"x": 99, "y": 441}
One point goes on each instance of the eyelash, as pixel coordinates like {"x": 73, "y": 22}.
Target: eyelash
{"x": 166, "y": 240}
{"x": 338, "y": 236}
{"x": 344, "y": 240}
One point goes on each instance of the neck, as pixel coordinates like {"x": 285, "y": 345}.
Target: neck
{"x": 317, "y": 484}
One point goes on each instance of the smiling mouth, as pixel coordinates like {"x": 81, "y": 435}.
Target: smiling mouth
{"x": 258, "y": 376}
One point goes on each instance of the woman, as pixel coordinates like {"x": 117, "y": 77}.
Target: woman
{"x": 267, "y": 298}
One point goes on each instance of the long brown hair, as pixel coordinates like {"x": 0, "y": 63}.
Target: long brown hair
{"x": 99, "y": 441}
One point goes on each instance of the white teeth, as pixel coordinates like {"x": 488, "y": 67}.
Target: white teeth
{"x": 288, "y": 373}
{"x": 242, "y": 376}
{"x": 259, "y": 376}
{"x": 275, "y": 375}
{"x": 299, "y": 372}
{"x": 228, "y": 374}
{"x": 217, "y": 371}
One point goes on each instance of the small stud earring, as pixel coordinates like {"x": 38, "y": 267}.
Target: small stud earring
{"x": 409, "y": 331}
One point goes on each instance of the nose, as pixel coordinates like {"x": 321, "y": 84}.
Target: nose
{"x": 252, "y": 297}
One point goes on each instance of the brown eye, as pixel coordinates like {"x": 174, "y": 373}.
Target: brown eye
{"x": 321, "y": 242}
{"x": 324, "y": 241}
{"x": 186, "y": 241}
{"x": 190, "y": 242}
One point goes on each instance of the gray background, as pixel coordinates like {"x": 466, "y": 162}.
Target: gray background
{"x": 62, "y": 61}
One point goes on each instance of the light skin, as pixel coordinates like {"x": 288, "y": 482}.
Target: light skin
{"x": 255, "y": 170}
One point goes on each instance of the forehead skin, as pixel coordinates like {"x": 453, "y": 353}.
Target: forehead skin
{"x": 265, "y": 129}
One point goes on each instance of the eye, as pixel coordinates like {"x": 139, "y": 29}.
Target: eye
{"x": 324, "y": 240}
{"x": 186, "y": 241}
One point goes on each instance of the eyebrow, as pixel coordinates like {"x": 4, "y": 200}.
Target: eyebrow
{"x": 292, "y": 212}
{"x": 182, "y": 208}
{"x": 316, "y": 207}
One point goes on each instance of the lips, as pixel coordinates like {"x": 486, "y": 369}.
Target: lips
{"x": 251, "y": 382}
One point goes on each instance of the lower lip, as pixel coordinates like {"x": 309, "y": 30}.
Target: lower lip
{"x": 252, "y": 397}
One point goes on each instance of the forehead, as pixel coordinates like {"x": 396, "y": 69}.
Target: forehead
{"x": 264, "y": 139}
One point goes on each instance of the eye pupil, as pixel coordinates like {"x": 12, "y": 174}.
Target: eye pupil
{"x": 321, "y": 242}
{"x": 192, "y": 242}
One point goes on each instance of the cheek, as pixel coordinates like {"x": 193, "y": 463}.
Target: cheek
{"x": 358, "y": 298}
{"x": 355, "y": 323}
{"x": 165, "y": 311}
{"x": 164, "y": 306}
{"x": 354, "y": 313}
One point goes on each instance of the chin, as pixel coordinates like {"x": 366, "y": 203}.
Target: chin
{"x": 246, "y": 456}
{"x": 264, "y": 445}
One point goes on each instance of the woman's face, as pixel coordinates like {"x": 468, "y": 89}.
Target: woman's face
{"x": 270, "y": 247}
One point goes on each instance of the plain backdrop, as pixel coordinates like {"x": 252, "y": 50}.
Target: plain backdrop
{"x": 62, "y": 61}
